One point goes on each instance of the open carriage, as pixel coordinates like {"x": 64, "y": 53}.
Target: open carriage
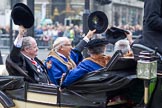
{"x": 94, "y": 90}
{"x": 98, "y": 89}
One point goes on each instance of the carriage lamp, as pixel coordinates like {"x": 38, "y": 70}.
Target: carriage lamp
{"x": 146, "y": 70}
{"x": 147, "y": 65}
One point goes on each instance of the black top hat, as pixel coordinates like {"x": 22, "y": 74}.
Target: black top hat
{"x": 97, "y": 42}
{"x": 114, "y": 34}
{"x": 22, "y": 15}
{"x": 98, "y": 20}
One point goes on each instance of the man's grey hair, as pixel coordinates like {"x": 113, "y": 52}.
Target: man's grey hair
{"x": 26, "y": 43}
{"x": 122, "y": 45}
{"x": 59, "y": 42}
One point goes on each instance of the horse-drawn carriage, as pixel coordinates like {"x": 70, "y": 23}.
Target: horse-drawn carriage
{"x": 102, "y": 88}
{"x": 116, "y": 84}
{"x": 97, "y": 89}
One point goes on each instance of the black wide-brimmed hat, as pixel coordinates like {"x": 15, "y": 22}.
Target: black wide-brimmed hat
{"x": 98, "y": 20}
{"x": 22, "y": 15}
{"x": 96, "y": 42}
{"x": 114, "y": 34}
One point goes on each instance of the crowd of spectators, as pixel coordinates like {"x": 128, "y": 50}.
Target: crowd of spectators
{"x": 48, "y": 33}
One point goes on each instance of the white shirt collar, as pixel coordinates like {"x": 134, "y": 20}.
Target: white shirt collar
{"x": 60, "y": 54}
{"x": 27, "y": 56}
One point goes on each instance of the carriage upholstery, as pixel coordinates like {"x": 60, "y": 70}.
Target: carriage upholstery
{"x": 102, "y": 85}
{"x": 93, "y": 89}
{"x": 11, "y": 85}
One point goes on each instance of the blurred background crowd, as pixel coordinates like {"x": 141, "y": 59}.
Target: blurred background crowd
{"x": 56, "y": 18}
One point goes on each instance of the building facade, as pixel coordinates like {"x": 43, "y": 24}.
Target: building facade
{"x": 119, "y": 12}
{"x": 122, "y": 12}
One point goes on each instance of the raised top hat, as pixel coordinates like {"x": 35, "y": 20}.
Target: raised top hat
{"x": 98, "y": 20}
{"x": 96, "y": 42}
{"x": 114, "y": 34}
{"x": 22, "y": 15}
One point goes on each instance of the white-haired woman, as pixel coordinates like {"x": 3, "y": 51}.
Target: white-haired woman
{"x": 63, "y": 57}
{"x": 124, "y": 46}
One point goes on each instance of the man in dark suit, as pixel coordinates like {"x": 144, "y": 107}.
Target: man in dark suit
{"x": 1, "y": 59}
{"x": 152, "y": 25}
{"x": 22, "y": 60}
{"x": 152, "y": 38}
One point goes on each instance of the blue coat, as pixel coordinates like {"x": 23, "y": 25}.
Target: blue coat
{"x": 57, "y": 68}
{"x": 83, "y": 68}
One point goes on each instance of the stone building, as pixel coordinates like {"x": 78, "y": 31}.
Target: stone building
{"x": 122, "y": 12}
{"x": 119, "y": 12}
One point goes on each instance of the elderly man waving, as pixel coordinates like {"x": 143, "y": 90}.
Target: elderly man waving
{"x": 63, "y": 57}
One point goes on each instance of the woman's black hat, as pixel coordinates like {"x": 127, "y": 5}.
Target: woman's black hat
{"x": 97, "y": 42}
{"x": 114, "y": 34}
{"x": 22, "y": 15}
{"x": 98, "y": 20}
